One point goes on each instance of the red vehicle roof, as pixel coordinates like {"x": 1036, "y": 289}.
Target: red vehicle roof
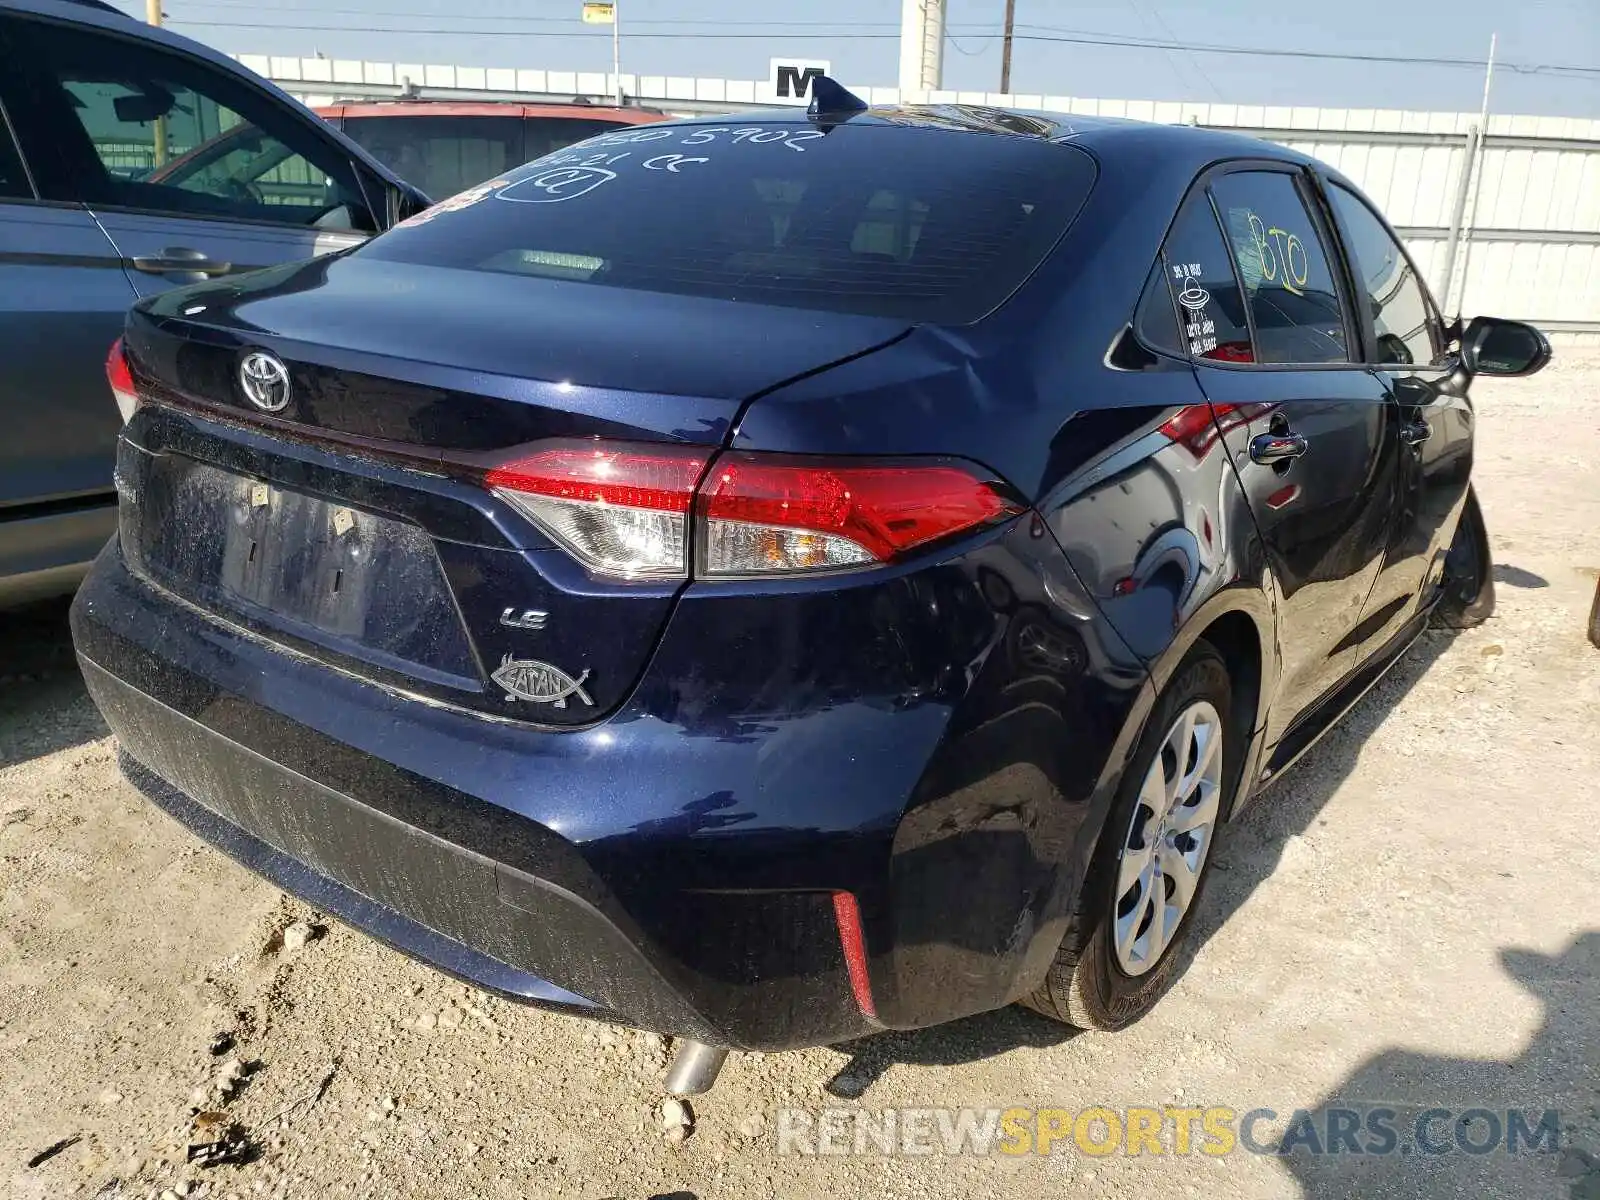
{"x": 488, "y": 108}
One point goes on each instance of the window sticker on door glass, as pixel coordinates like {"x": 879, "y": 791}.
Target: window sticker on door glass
{"x": 1279, "y": 254}
{"x": 1198, "y": 328}
{"x": 1288, "y": 282}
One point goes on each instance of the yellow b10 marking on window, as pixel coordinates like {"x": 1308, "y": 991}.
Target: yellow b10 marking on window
{"x": 1276, "y": 249}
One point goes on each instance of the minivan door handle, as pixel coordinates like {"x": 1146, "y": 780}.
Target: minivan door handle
{"x": 180, "y": 260}
{"x": 1280, "y": 447}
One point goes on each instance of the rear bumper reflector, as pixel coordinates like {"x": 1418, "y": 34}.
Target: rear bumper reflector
{"x": 848, "y": 915}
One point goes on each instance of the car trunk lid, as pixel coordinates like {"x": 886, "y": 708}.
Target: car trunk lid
{"x": 357, "y": 523}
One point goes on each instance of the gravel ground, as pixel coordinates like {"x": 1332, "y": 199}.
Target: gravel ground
{"x": 1410, "y": 916}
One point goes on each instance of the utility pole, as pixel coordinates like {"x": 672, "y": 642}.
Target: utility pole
{"x": 921, "y": 48}
{"x": 1477, "y": 183}
{"x": 152, "y": 14}
{"x": 616, "y": 48}
{"x": 1005, "y": 47}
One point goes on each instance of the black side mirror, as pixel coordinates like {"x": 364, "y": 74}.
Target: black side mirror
{"x": 1493, "y": 346}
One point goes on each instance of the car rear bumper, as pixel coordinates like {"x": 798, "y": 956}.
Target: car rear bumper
{"x": 935, "y": 742}
{"x": 386, "y": 923}
{"x": 318, "y": 781}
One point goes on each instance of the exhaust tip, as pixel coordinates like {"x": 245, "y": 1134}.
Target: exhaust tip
{"x": 694, "y": 1068}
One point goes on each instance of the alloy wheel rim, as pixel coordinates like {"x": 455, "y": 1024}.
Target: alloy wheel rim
{"x": 1169, "y": 838}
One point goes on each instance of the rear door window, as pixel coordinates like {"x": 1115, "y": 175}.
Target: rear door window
{"x": 1284, "y": 267}
{"x": 920, "y": 224}
{"x": 442, "y": 155}
{"x": 1156, "y": 322}
{"x": 1201, "y": 286}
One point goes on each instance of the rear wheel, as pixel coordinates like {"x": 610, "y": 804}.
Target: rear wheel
{"x": 1150, "y": 867}
{"x": 1468, "y": 598}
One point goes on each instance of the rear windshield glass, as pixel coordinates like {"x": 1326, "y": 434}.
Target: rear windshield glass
{"x": 919, "y": 224}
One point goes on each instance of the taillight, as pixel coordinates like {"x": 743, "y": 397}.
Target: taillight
{"x": 763, "y": 515}
{"x": 623, "y": 510}
{"x": 619, "y": 510}
{"x": 121, "y": 380}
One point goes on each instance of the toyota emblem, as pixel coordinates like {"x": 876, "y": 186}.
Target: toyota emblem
{"x": 265, "y": 381}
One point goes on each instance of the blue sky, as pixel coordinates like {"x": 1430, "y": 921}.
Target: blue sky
{"x": 860, "y": 37}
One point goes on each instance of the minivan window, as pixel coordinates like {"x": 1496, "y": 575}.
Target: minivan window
{"x": 919, "y": 224}
{"x": 1387, "y": 285}
{"x": 444, "y": 155}
{"x": 546, "y": 135}
{"x": 441, "y": 155}
{"x": 1284, "y": 268}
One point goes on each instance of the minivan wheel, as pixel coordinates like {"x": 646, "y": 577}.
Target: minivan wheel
{"x": 1468, "y": 586}
{"x": 1149, "y": 868}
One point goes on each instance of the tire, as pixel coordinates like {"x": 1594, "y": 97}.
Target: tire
{"x": 1468, "y": 585}
{"x": 1090, "y": 985}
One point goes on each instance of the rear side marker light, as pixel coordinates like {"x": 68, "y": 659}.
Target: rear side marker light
{"x": 624, "y": 510}
{"x": 847, "y": 914}
{"x": 121, "y": 380}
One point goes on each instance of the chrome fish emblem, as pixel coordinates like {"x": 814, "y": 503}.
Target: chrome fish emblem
{"x": 528, "y": 679}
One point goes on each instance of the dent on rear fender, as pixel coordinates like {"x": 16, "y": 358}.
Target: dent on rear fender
{"x": 992, "y": 845}
{"x": 1154, "y": 523}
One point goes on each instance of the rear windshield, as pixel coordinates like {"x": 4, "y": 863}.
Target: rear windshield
{"x": 444, "y": 154}
{"x": 920, "y": 224}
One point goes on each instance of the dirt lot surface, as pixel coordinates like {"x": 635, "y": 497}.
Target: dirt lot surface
{"x": 1411, "y": 916}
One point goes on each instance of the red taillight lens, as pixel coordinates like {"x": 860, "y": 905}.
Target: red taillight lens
{"x": 622, "y": 510}
{"x": 761, "y": 514}
{"x": 121, "y": 380}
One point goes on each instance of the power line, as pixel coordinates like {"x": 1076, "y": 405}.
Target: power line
{"x": 793, "y": 29}
{"x": 518, "y": 18}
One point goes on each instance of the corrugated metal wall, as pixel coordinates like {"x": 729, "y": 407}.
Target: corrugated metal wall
{"x": 1533, "y": 211}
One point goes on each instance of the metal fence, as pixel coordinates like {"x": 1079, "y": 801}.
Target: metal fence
{"x": 1529, "y": 212}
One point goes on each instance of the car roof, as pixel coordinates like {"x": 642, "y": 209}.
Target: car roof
{"x": 489, "y": 108}
{"x": 1106, "y": 137}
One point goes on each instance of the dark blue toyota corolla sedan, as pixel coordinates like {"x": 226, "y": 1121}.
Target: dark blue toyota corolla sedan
{"x": 773, "y": 580}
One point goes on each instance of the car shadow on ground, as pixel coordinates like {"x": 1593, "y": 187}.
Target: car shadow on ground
{"x": 1517, "y": 577}
{"x": 44, "y": 706}
{"x": 1474, "y": 1127}
{"x": 970, "y": 1039}
{"x": 1248, "y": 852}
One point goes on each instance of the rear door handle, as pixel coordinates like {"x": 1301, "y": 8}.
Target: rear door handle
{"x": 180, "y": 259}
{"x": 1269, "y": 448}
{"x": 1415, "y": 433}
